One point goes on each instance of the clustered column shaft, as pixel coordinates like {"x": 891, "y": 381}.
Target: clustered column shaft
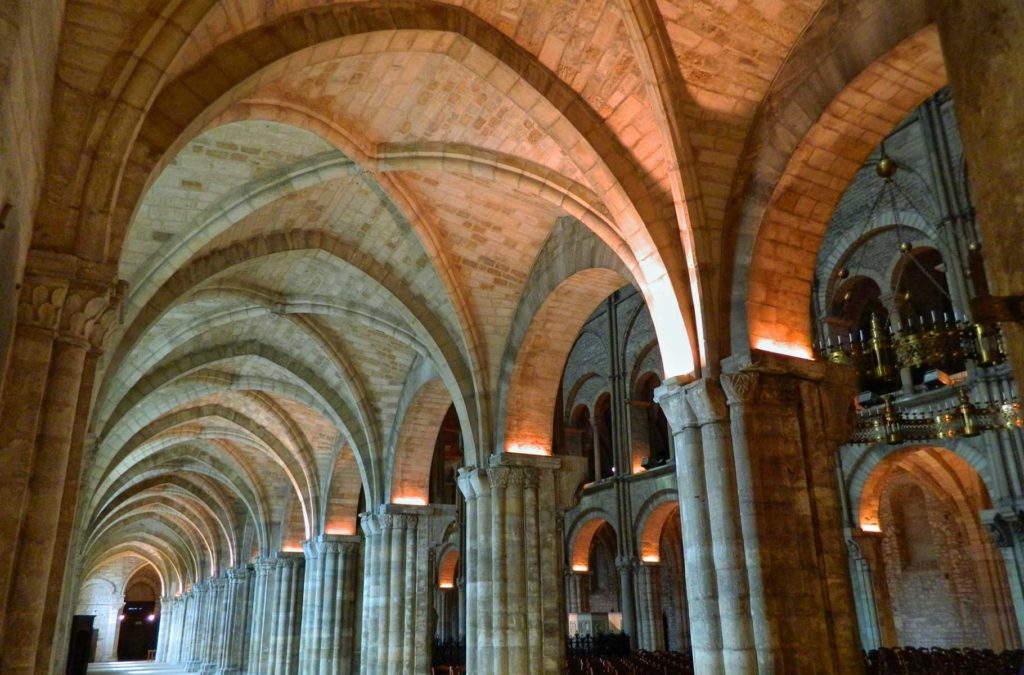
{"x": 515, "y": 619}
{"x": 205, "y": 628}
{"x": 701, "y": 581}
{"x": 397, "y": 630}
{"x": 650, "y": 632}
{"x": 755, "y": 453}
{"x": 283, "y": 612}
{"x": 329, "y": 606}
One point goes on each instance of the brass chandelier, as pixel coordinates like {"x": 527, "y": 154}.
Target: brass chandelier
{"x": 936, "y": 341}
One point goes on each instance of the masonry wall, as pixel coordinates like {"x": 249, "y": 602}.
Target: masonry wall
{"x": 931, "y": 578}
{"x": 102, "y": 595}
{"x": 29, "y": 34}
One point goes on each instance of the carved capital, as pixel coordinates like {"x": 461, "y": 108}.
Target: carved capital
{"x": 708, "y": 402}
{"x": 263, "y": 566}
{"x": 329, "y": 547}
{"x": 626, "y": 564}
{"x": 751, "y": 387}
{"x": 78, "y": 299}
{"x": 513, "y": 476}
{"x": 90, "y": 313}
{"x": 375, "y": 523}
{"x": 1001, "y": 532}
{"x": 40, "y": 303}
{"x": 671, "y": 397}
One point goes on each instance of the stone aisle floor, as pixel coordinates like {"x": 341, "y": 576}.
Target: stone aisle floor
{"x": 133, "y": 668}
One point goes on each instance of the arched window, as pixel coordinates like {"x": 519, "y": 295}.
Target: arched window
{"x": 604, "y": 578}
{"x": 919, "y": 281}
{"x": 580, "y": 438}
{"x": 658, "y": 438}
{"x": 447, "y": 459}
{"x": 853, "y": 305}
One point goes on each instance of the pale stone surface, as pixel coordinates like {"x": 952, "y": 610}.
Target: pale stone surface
{"x": 317, "y": 207}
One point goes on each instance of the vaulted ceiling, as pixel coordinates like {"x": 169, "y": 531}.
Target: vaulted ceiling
{"x": 319, "y": 208}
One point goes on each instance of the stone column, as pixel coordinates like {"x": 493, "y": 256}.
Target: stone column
{"x": 178, "y": 633}
{"x": 576, "y": 592}
{"x": 284, "y": 607}
{"x": 65, "y": 309}
{"x": 735, "y": 604}
{"x": 446, "y": 602}
{"x": 981, "y": 45}
{"x": 233, "y": 629}
{"x": 514, "y": 552}
{"x": 213, "y": 625}
{"x": 204, "y": 593}
{"x": 260, "y": 625}
{"x": 650, "y": 632}
{"x": 166, "y": 617}
{"x": 397, "y": 635}
{"x": 329, "y": 601}
{"x": 460, "y": 583}
{"x": 175, "y": 648}
{"x": 1007, "y": 531}
{"x": 698, "y": 559}
{"x": 625, "y": 565}
{"x": 788, "y": 418}
{"x": 864, "y": 598}
{"x": 190, "y": 644}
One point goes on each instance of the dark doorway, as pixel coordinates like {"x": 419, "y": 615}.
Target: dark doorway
{"x": 139, "y": 626}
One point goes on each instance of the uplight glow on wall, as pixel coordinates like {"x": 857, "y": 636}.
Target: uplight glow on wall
{"x": 410, "y": 501}
{"x": 800, "y": 351}
{"x": 527, "y": 449}
{"x": 343, "y": 531}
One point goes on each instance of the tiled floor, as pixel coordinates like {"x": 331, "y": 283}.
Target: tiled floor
{"x": 134, "y": 668}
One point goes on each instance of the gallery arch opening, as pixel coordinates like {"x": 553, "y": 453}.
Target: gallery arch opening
{"x": 617, "y": 336}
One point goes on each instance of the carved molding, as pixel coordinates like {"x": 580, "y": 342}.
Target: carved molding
{"x": 751, "y": 387}
{"x": 78, "y": 311}
{"x": 514, "y": 476}
{"x": 89, "y": 315}
{"x": 707, "y": 400}
{"x": 40, "y": 304}
{"x": 1001, "y": 532}
{"x": 672, "y": 399}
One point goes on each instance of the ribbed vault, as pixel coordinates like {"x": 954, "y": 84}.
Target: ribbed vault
{"x": 334, "y": 221}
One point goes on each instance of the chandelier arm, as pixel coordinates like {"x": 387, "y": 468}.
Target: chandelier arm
{"x": 928, "y": 276}
{"x": 926, "y": 214}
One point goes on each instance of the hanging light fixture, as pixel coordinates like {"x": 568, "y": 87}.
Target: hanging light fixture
{"x": 928, "y": 340}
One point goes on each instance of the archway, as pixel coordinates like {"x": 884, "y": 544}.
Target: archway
{"x": 139, "y": 619}
{"x": 937, "y": 578}
{"x": 661, "y": 593}
{"x": 651, "y": 439}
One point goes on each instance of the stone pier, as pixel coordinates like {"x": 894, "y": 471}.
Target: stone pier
{"x": 763, "y": 465}
{"x": 515, "y": 610}
{"x": 398, "y": 619}
{"x": 328, "y": 642}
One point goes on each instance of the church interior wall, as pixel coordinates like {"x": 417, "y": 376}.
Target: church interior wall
{"x": 362, "y": 338}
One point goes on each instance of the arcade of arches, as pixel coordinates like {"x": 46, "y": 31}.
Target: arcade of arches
{"x": 336, "y": 333}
